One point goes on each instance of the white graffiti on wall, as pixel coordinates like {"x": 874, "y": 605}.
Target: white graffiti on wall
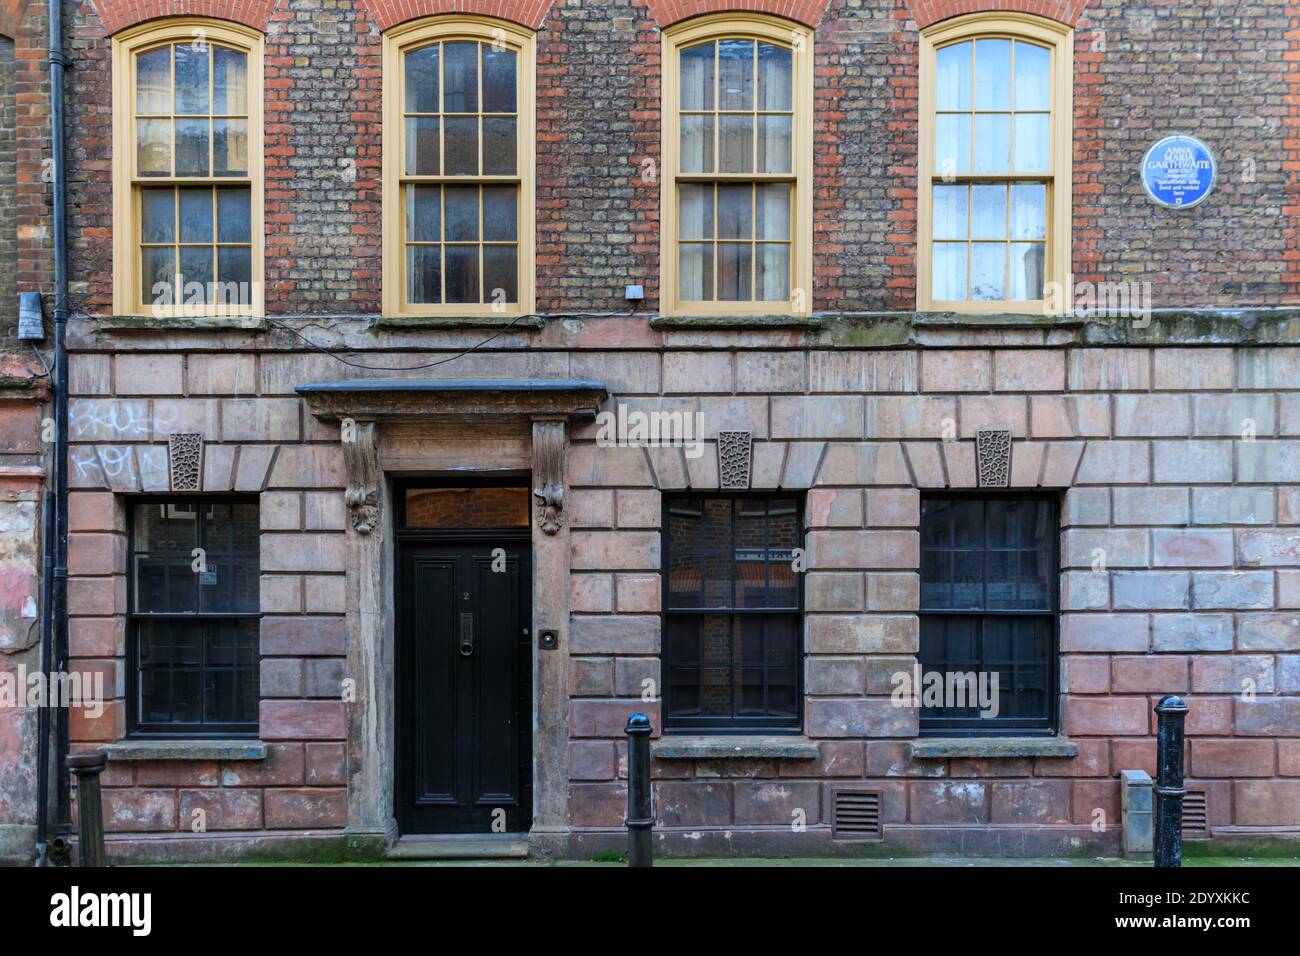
{"x": 108, "y": 420}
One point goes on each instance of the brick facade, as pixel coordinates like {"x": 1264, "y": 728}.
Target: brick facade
{"x": 25, "y": 265}
{"x": 1173, "y": 447}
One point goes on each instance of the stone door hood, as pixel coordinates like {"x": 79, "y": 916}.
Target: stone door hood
{"x": 405, "y": 400}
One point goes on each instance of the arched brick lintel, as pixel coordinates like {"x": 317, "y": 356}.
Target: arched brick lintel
{"x": 117, "y": 15}
{"x": 929, "y": 12}
{"x": 668, "y": 12}
{"x": 527, "y": 13}
{"x": 11, "y": 17}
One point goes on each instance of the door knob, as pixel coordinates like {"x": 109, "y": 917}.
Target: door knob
{"x": 466, "y": 634}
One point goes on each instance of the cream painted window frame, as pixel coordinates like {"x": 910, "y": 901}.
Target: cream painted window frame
{"x": 128, "y": 298}
{"x": 444, "y": 28}
{"x": 748, "y": 26}
{"x": 1059, "y": 39}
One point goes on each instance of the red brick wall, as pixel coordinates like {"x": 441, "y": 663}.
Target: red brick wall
{"x": 119, "y": 14}
{"x": 30, "y": 242}
{"x": 598, "y": 153}
{"x": 1291, "y": 211}
{"x": 389, "y": 13}
{"x": 668, "y": 12}
{"x": 928, "y": 12}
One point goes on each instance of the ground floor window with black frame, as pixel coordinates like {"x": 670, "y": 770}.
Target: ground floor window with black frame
{"x": 732, "y": 613}
{"x": 193, "y": 626}
{"x": 988, "y": 610}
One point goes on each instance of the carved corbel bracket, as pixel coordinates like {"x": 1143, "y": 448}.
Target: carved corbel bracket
{"x": 361, "y": 466}
{"x": 549, "y": 443}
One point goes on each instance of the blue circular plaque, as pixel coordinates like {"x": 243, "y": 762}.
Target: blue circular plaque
{"x": 1178, "y": 172}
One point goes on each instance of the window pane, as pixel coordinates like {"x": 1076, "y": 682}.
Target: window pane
{"x": 229, "y": 82}
{"x": 952, "y": 143}
{"x": 164, "y": 537}
{"x": 157, "y": 275}
{"x": 695, "y": 212}
{"x": 1032, "y": 134}
{"x": 1027, "y": 260}
{"x": 774, "y": 135}
{"x": 463, "y": 274}
{"x": 735, "y": 212}
{"x": 948, "y": 271}
{"x": 952, "y": 79}
{"x": 235, "y": 273}
{"x": 424, "y": 274}
{"x": 192, "y": 78}
{"x": 196, "y": 214}
{"x": 467, "y": 508}
{"x": 500, "y": 274}
{"x": 736, "y": 144}
{"x": 233, "y": 215}
{"x": 500, "y": 146}
{"x": 460, "y": 74}
{"x": 992, "y": 74}
{"x": 499, "y": 80}
{"x": 460, "y": 210}
{"x": 153, "y": 81}
{"x": 460, "y": 139}
{"x": 775, "y": 78}
{"x": 722, "y": 553}
{"x": 773, "y": 208}
{"x": 170, "y": 655}
{"x": 697, "y": 77}
{"x": 500, "y": 214}
{"x": 422, "y": 148}
{"x": 695, "y": 271}
{"x": 988, "y": 271}
{"x": 423, "y": 214}
{"x": 232, "y": 673}
{"x": 422, "y": 79}
{"x": 153, "y": 154}
{"x": 716, "y": 692}
{"x": 736, "y": 75}
{"x": 196, "y": 274}
{"x": 157, "y": 215}
{"x": 773, "y": 272}
{"x": 230, "y": 535}
{"x": 1033, "y": 72}
{"x": 192, "y": 147}
{"x": 697, "y": 144}
{"x": 735, "y": 272}
{"x": 950, "y": 212}
{"x": 993, "y": 143}
{"x": 230, "y": 147}
{"x": 1029, "y": 211}
{"x": 988, "y": 211}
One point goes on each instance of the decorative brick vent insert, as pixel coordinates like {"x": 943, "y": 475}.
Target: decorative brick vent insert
{"x": 1196, "y": 817}
{"x": 857, "y": 816}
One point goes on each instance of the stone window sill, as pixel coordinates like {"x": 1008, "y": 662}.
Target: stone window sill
{"x": 721, "y": 746}
{"x": 698, "y": 323}
{"x": 179, "y": 323}
{"x": 938, "y": 748}
{"x": 186, "y": 750}
{"x": 397, "y": 323}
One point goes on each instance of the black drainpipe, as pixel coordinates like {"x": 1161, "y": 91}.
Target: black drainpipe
{"x": 56, "y": 618}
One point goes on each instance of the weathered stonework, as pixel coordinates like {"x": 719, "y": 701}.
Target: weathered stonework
{"x": 1173, "y": 445}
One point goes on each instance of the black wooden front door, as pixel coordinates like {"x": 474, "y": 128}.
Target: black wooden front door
{"x": 464, "y": 674}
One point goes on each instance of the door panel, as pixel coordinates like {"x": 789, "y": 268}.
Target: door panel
{"x": 464, "y": 688}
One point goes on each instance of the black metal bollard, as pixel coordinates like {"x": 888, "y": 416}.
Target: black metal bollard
{"x": 640, "y": 816}
{"x": 90, "y": 811}
{"x": 1169, "y": 790}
